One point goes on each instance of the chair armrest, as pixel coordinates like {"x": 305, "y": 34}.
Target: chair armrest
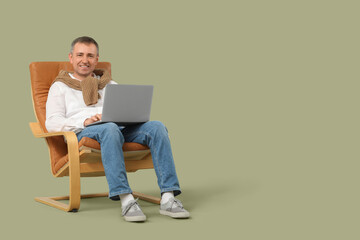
{"x": 38, "y": 132}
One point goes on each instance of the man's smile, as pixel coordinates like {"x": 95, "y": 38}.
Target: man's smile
{"x": 84, "y": 67}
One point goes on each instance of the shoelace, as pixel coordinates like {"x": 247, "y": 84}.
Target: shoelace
{"x": 177, "y": 202}
{"x": 130, "y": 205}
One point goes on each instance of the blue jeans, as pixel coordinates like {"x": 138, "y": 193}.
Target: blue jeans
{"x": 111, "y": 138}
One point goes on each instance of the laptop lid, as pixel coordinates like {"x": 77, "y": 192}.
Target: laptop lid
{"x": 127, "y": 104}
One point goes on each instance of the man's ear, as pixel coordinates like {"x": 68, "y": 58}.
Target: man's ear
{"x": 97, "y": 59}
{"x": 70, "y": 57}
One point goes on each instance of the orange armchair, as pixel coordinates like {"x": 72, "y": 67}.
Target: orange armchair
{"x": 72, "y": 158}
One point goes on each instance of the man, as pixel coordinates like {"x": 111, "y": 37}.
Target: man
{"x": 75, "y": 100}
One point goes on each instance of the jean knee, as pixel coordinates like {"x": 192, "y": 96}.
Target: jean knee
{"x": 112, "y": 129}
{"x": 158, "y": 127}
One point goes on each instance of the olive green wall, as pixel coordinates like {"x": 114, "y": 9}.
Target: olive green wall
{"x": 260, "y": 99}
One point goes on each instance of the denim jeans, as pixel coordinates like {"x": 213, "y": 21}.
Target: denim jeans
{"x": 111, "y": 138}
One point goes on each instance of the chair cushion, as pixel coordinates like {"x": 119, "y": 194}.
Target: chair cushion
{"x": 93, "y": 144}
{"x": 128, "y": 146}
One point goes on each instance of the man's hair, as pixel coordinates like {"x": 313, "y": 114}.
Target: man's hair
{"x": 84, "y": 39}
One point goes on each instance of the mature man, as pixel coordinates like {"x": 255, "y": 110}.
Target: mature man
{"x": 75, "y": 100}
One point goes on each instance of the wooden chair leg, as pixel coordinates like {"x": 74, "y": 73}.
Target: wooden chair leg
{"x": 147, "y": 198}
{"x": 54, "y": 201}
{"x": 74, "y": 174}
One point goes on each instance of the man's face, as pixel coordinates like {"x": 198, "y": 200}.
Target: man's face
{"x": 84, "y": 59}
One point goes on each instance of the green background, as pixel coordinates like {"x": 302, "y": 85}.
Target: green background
{"x": 260, "y": 99}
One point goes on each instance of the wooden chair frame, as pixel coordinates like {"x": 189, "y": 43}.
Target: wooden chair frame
{"x": 87, "y": 162}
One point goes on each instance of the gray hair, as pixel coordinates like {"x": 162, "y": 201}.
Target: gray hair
{"x": 84, "y": 39}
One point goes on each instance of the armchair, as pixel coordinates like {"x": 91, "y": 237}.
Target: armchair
{"x": 72, "y": 158}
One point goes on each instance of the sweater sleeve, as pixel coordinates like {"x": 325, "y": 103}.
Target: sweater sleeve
{"x": 56, "y": 119}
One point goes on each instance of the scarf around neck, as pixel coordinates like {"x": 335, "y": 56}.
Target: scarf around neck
{"x": 89, "y": 86}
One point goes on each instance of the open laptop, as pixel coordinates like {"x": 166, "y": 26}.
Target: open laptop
{"x": 126, "y": 104}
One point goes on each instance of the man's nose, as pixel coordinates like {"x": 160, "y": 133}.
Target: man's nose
{"x": 85, "y": 59}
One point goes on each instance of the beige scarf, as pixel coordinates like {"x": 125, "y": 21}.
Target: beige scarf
{"x": 89, "y": 86}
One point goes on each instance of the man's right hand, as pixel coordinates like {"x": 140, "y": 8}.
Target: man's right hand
{"x": 92, "y": 119}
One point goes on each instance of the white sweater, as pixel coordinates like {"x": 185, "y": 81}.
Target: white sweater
{"x": 66, "y": 109}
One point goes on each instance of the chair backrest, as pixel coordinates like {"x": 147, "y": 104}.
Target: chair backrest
{"x": 42, "y": 75}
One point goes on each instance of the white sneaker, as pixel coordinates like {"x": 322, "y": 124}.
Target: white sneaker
{"x": 132, "y": 212}
{"x": 174, "y": 208}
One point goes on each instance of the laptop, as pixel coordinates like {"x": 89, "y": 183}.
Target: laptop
{"x": 126, "y": 104}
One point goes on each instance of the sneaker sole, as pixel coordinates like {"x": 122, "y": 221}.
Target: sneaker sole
{"x": 175, "y": 215}
{"x": 135, "y": 219}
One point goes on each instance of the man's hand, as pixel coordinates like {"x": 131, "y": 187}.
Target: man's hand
{"x": 92, "y": 119}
